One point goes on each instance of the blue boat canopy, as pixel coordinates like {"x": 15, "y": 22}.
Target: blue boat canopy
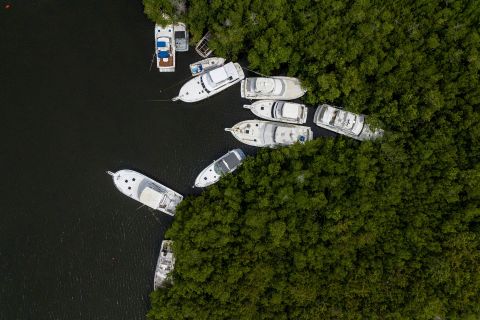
{"x": 163, "y": 54}
{"x": 161, "y": 44}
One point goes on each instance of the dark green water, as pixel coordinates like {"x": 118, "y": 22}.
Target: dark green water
{"x": 74, "y": 91}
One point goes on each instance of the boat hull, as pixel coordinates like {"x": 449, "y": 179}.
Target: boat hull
{"x": 293, "y": 90}
{"x": 281, "y": 111}
{"x": 132, "y": 184}
{"x": 165, "y": 264}
{"x": 209, "y": 176}
{"x": 260, "y": 133}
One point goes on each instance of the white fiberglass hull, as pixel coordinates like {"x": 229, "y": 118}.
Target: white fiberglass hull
{"x": 259, "y": 133}
{"x": 292, "y": 90}
{"x": 281, "y": 111}
{"x": 195, "y": 89}
{"x": 146, "y": 191}
{"x": 205, "y": 65}
{"x": 165, "y": 264}
{"x": 210, "y": 175}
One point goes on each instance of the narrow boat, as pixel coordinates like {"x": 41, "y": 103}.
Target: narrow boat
{"x": 344, "y": 122}
{"x": 165, "y": 48}
{"x": 165, "y": 264}
{"x": 259, "y": 133}
{"x": 281, "y": 111}
{"x": 281, "y": 88}
{"x": 181, "y": 37}
{"x": 146, "y": 191}
{"x": 210, "y": 83}
{"x": 205, "y": 65}
{"x": 225, "y": 164}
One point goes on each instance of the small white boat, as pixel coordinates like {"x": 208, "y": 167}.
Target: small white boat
{"x": 282, "y": 111}
{"x": 344, "y": 122}
{"x": 181, "y": 37}
{"x": 146, "y": 191}
{"x": 281, "y": 88}
{"x": 210, "y": 83}
{"x": 259, "y": 133}
{"x": 165, "y": 48}
{"x": 205, "y": 65}
{"x": 165, "y": 264}
{"x": 225, "y": 164}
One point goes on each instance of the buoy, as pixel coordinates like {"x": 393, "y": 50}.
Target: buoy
{"x": 8, "y": 6}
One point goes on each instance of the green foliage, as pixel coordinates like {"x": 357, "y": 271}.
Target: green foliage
{"x": 337, "y": 229}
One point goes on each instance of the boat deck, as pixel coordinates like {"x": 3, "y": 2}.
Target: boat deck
{"x": 166, "y": 62}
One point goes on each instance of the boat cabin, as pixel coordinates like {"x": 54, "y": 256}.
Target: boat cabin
{"x": 165, "y": 55}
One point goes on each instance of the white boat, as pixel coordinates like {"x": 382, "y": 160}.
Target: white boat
{"x": 344, "y": 122}
{"x": 165, "y": 264}
{"x": 181, "y": 37}
{"x": 260, "y": 133}
{"x": 210, "y": 83}
{"x": 281, "y": 88}
{"x": 146, "y": 191}
{"x": 282, "y": 111}
{"x": 225, "y": 164}
{"x": 205, "y": 65}
{"x": 165, "y": 48}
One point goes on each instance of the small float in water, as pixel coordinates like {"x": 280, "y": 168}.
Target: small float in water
{"x": 281, "y": 111}
{"x": 165, "y": 264}
{"x": 259, "y": 133}
{"x": 205, "y": 65}
{"x": 146, "y": 191}
{"x": 225, "y": 164}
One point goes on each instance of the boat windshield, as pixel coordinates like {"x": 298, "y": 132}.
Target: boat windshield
{"x": 220, "y": 167}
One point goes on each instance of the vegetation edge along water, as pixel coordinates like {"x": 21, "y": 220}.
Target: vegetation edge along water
{"x": 335, "y": 228}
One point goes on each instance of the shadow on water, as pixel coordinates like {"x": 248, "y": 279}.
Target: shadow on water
{"x": 76, "y": 95}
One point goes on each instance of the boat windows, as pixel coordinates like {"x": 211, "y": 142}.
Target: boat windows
{"x": 220, "y": 167}
{"x": 203, "y": 85}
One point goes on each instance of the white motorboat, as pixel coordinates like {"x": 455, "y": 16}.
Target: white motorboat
{"x": 225, "y": 164}
{"x": 165, "y": 48}
{"x": 282, "y": 88}
{"x": 210, "y": 83}
{"x": 146, "y": 191}
{"x": 344, "y": 122}
{"x": 165, "y": 263}
{"x": 181, "y": 37}
{"x": 205, "y": 65}
{"x": 260, "y": 133}
{"x": 282, "y": 111}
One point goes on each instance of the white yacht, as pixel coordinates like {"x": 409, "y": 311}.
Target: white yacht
{"x": 210, "y": 83}
{"x": 282, "y": 111}
{"x": 165, "y": 48}
{"x": 225, "y": 164}
{"x": 146, "y": 191}
{"x": 181, "y": 37}
{"x": 259, "y": 133}
{"x": 344, "y": 122}
{"x": 205, "y": 65}
{"x": 165, "y": 264}
{"x": 282, "y": 88}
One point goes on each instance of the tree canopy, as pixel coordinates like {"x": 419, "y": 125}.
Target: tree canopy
{"x": 337, "y": 229}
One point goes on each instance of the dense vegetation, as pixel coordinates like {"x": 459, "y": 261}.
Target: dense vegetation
{"x": 338, "y": 229}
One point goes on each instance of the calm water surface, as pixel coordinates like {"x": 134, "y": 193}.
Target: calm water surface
{"x": 75, "y": 87}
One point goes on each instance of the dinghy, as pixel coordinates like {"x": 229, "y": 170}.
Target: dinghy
{"x": 205, "y": 65}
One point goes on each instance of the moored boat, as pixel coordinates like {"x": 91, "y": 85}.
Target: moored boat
{"x": 281, "y": 88}
{"x": 146, "y": 191}
{"x": 205, "y": 65}
{"x": 225, "y": 164}
{"x": 165, "y": 48}
{"x": 260, "y": 133}
{"x": 282, "y": 111}
{"x": 165, "y": 264}
{"x": 344, "y": 122}
{"x": 181, "y": 37}
{"x": 210, "y": 83}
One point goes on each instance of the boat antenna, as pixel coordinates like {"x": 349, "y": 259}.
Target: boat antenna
{"x": 260, "y": 74}
{"x": 151, "y": 62}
